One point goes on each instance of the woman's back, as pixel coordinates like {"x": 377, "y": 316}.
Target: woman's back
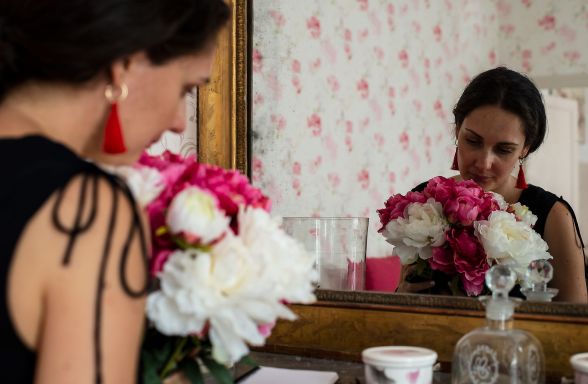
{"x": 72, "y": 267}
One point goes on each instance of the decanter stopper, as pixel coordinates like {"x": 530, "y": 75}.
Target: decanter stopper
{"x": 538, "y": 274}
{"x": 500, "y": 279}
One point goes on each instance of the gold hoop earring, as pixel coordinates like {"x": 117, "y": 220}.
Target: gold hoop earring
{"x": 114, "y": 94}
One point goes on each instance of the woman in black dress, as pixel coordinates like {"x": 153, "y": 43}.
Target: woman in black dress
{"x": 98, "y": 80}
{"x": 500, "y": 120}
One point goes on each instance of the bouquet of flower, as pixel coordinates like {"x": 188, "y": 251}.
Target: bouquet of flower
{"x": 458, "y": 229}
{"x": 224, "y": 269}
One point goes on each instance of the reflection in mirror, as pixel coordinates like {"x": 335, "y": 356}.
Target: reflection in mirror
{"x": 351, "y": 101}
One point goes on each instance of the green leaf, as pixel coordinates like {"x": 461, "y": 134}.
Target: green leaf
{"x": 150, "y": 369}
{"x": 191, "y": 370}
{"x": 221, "y": 373}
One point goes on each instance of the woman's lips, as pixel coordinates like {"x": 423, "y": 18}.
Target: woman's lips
{"x": 481, "y": 179}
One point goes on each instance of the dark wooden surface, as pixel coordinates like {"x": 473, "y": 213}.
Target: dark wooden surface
{"x": 349, "y": 372}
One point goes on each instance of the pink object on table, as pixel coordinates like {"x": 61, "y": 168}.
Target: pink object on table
{"x": 382, "y": 273}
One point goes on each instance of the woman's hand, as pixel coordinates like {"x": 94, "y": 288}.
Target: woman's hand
{"x": 407, "y": 287}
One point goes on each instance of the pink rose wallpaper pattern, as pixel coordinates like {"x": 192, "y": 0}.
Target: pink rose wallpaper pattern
{"x": 352, "y": 99}
{"x": 551, "y": 41}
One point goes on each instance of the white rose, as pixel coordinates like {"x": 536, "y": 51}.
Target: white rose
{"x": 194, "y": 214}
{"x": 509, "y": 241}
{"x": 414, "y": 236}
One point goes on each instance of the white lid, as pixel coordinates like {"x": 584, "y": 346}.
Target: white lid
{"x": 580, "y": 362}
{"x": 399, "y": 357}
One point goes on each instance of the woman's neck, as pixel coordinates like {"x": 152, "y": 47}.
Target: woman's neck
{"x": 509, "y": 191}
{"x": 63, "y": 114}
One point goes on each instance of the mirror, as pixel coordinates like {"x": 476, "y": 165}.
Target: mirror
{"x": 351, "y": 102}
{"x": 354, "y": 98}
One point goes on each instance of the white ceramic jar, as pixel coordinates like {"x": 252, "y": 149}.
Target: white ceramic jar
{"x": 580, "y": 363}
{"x": 398, "y": 365}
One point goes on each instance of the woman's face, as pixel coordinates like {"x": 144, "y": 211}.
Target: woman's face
{"x": 490, "y": 142}
{"x": 155, "y": 101}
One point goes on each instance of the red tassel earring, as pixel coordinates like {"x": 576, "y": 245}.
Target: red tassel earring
{"x": 113, "y": 138}
{"x": 521, "y": 182}
{"x": 454, "y": 165}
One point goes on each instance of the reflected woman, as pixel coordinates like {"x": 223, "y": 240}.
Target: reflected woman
{"x": 500, "y": 119}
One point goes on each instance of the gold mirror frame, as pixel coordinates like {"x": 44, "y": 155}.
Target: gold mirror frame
{"x": 341, "y": 324}
{"x": 223, "y": 117}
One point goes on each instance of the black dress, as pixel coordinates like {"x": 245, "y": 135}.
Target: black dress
{"x": 33, "y": 169}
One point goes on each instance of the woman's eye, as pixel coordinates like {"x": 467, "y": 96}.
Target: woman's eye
{"x": 504, "y": 151}
{"x": 472, "y": 142}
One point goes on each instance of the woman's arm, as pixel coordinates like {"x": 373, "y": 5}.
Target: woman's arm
{"x": 88, "y": 325}
{"x": 568, "y": 258}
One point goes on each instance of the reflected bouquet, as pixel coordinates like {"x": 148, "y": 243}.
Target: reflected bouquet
{"x": 224, "y": 269}
{"x": 458, "y": 229}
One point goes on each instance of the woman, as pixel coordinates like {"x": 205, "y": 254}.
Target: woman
{"x": 84, "y": 79}
{"x": 500, "y": 120}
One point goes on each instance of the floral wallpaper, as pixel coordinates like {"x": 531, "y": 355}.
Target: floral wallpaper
{"x": 551, "y": 41}
{"x": 352, "y": 99}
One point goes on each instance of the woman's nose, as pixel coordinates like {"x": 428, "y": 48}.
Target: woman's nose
{"x": 179, "y": 123}
{"x": 484, "y": 160}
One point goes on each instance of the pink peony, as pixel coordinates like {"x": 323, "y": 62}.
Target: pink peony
{"x": 462, "y": 210}
{"x": 396, "y": 205}
{"x": 470, "y": 259}
{"x": 231, "y": 189}
{"x": 442, "y": 260}
{"x": 158, "y": 261}
{"x": 440, "y": 189}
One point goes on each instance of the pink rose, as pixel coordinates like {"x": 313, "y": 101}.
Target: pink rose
{"x": 470, "y": 259}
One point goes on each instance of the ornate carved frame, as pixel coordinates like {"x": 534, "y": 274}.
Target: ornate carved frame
{"x": 341, "y": 324}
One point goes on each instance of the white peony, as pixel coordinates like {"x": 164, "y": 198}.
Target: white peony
{"x": 414, "y": 236}
{"x": 524, "y": 214}
{"x": 237, "y": 287}
{"x": 289, "y": 267}
{"x": 194, "y": 214}
{"x": 509, "y": 241}
{"x": 502, "y": 204}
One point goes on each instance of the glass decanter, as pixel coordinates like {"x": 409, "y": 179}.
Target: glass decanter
{"x": 538, "y": 274}
{"x": 497, "y": 353}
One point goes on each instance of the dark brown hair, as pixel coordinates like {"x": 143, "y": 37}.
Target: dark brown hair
{"x": 510, "y": 91}
{"x": 73, "y": 41}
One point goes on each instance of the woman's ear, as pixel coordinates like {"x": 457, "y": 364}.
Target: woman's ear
{"x": 525, "y": 153}
{"x": 120, "y": 68}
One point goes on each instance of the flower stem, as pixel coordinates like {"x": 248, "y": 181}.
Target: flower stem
{"x": 171, "y": 362}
